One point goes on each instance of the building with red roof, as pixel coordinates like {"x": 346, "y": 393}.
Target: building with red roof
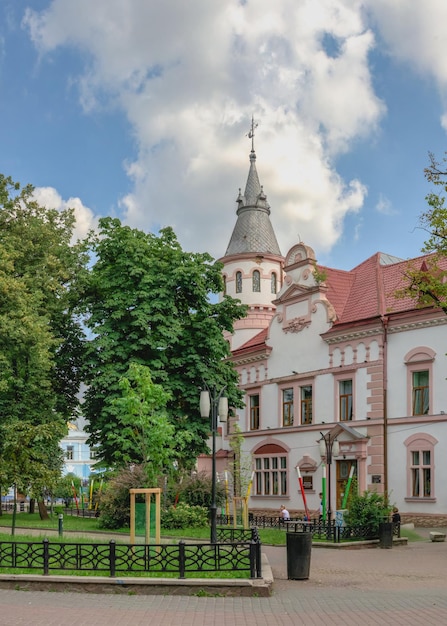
{"x": 339, "y": 356}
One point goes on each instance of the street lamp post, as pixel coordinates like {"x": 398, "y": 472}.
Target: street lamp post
{"x": 329, "y": 447}
{"x": 217, "y": 403}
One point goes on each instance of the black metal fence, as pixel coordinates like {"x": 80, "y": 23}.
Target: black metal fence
{"x": 319, "y": 529}
{"x": 80, "y": 512}
{"x": 113, "y": 558}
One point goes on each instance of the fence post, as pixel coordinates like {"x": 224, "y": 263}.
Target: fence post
{"x": 112, "y": 557}
{"x": 181, "y": 559}
{"x": 46, "y": 556}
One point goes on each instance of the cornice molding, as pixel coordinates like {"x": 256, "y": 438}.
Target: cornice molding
{"x": 415, "y": 325}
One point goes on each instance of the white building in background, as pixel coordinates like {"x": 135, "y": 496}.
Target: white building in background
{"x": 326, "y": 351}
{"x": 78, "y": 456}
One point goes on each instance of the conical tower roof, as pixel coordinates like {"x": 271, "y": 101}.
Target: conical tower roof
{"x": 253, "y": 231}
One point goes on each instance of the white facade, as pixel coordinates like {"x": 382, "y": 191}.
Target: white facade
{"x": 78, "y": 457}
{"x": 343, "y": 355}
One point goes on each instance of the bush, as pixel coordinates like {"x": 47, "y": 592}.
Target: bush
{"x": 115, "y": 500}
{"x": 195, "y": 490}
{"x": 184, "y": 516}
{"x": 367, "y": 510}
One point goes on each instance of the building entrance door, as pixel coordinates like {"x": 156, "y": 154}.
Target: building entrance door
{"x": 343, "y": 470}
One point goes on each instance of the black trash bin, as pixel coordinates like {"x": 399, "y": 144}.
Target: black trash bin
{"x": 299, "y": 547}
{"x": 386, "y": 534}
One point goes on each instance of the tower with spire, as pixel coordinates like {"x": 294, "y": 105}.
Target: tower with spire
{"x": 253, "y": 264}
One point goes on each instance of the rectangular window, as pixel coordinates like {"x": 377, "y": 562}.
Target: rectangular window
{"x": 287, "y": 407}
{"x": 421, "y": 474}
{"x": 254, "y": 412}
{"x": 306, "y": 404}
{"x": 420, "y": 393}
{"x": 69, "y": 455}
{"x": 345, "y": 396}
{"x": 271, "y": 475}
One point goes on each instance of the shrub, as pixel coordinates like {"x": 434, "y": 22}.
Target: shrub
{"x": 367, "y": 510}
{"x": 184, "y": 516}
{"x": 115, "y": 500}
{"x": 195, "y": 490}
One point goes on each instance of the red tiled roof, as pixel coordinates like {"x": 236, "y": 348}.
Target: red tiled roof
{"x": 373, "y": 287}
{"x": 255, "y": 343}
{"x": 365, "y": 292}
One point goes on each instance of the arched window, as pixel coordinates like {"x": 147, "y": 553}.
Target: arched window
{"x": 420, "y": 466}
{"x": 419, "y": 362}
{"x": 256, "y": 281}
{"x": 238, "y": 282}
{"x": 224, "y": 285}
{"x": 270, "y": 471}
{"x": 273, "y": 283}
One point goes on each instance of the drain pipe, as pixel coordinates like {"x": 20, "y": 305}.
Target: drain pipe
{"x": 384, "y": 320}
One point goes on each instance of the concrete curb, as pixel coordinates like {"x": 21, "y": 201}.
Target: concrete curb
{"x": 244, "y": 587}
{"x": 358, "y": 545}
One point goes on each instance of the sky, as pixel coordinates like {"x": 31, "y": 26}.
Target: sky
{"x": 140, "y": 109}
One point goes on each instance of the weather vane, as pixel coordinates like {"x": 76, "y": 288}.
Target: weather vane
{"x": 251, "y": 133}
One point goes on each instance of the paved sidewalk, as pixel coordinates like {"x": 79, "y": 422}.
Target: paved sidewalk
{"x": 404, "y": 586}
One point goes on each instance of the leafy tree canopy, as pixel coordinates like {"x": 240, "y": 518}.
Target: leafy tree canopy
{"x": 145, "y": 435}
{"x": 426, "y": 281}
{"x": 148, "y": 302}
{"x": 40, "y": 337}
{"x": 40, "y": 287}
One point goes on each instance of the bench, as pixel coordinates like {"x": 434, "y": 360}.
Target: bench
{"x": 437, "y": 536}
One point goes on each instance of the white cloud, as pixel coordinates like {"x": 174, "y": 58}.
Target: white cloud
{"x": 415, "y": 33}
{"x": 188, "y": 76}
{"x": 85, "y": 220}
{"x": 384, "y": 206}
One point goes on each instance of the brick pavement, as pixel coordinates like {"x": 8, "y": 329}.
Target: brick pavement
{"x": 405, "y": 586}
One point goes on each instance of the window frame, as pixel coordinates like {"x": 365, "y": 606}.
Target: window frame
{"x": 254, "y": 412}
{"x": 420, "y": 443}
{"x": 271, "y": 474}
{"x": 345, "y": 414}
{"x": 70, "y": 453}
{"x": 306, "y": 402}
{"x": 290, "y": 407}
{"x": 238, "y": 282}
{"x": 256, "y": 281}
{"x": 419, "y": 359}
{"x": 420, "y": 394}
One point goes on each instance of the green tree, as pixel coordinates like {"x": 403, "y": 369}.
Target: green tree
{"x": 40, "y": 336}
{"x": 426, "y": 281}
{"x": 242, "y": 463}
{"x": 48, "y": 269}
{"x": 31, "y": 458}
{"x": 149, "y": 302}
{"x": 64, "y": 487}
{"x": 144, "y": 434}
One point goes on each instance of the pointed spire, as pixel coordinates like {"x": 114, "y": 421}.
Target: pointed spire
{"x": 253, "y": 231}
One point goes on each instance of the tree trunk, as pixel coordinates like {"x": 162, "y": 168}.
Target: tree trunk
{"x": 43, "y": 510}
{"x": 32, "y": 505}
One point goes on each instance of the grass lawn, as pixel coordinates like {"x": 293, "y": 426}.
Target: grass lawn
{"x": 32, "y": 520}
{"x": 79, "y": 524}
{"x": 270, "y": 536}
